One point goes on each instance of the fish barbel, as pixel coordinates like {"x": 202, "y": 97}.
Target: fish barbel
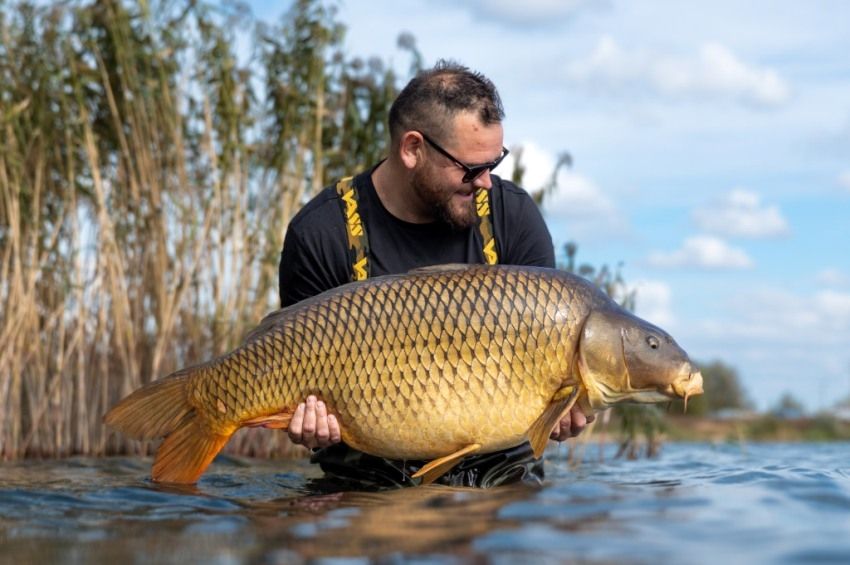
{"x": 431, "y": 365}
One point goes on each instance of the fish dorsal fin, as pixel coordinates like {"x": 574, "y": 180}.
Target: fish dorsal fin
{"x": 541, "y": 429}
{"x": 439, "y": 467}
{"x": 447, "y": 267}
{"x": 271, "y": 320}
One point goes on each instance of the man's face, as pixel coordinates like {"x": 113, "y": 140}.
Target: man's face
{"x": 438, "y": 181}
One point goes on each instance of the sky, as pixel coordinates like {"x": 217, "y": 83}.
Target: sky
{"x": 711, "y": 158}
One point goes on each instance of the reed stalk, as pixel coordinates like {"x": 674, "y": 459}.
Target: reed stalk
{"x": 147, "y": 173}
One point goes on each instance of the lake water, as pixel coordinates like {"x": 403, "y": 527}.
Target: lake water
{"x": 695, "y": 503}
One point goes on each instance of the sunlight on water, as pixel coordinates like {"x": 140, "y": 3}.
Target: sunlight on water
{"x": 776, "y": 503}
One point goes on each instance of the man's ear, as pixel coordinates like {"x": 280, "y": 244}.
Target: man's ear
{"x": 410, "y": 149}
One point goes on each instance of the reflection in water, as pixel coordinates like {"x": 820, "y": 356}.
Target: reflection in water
{"x": 412, "y": 520}
{"x": 694, "y": 504}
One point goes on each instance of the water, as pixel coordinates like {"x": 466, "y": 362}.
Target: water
{"x": 696, "y": 503}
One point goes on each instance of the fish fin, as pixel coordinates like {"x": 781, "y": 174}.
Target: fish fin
{"x": 187, "y": 452}
{"x": 279, "y": 421}
{"x": 439, "y": 467}
{"x": 439, "y": 268}
{"x": 153, "y": 411}
{"x": 162, "y": 408}
{"x": 541, "y": 429}
{"x": 271, "y": 320}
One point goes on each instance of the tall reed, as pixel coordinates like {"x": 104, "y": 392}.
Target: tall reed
{"x": 147, "y": 173}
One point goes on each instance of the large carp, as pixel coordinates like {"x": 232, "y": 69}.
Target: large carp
{"x": 434, "y": 364}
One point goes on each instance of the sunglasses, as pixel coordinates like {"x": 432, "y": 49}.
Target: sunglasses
{"x": 472, "y": 172}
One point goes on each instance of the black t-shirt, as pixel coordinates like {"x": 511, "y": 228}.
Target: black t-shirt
{"x": 315, "y": 255}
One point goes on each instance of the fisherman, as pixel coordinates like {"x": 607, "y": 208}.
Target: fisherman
{"x": 433, "y": 200}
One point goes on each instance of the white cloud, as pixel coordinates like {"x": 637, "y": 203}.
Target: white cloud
{"x": 785, "y": 319}
{"x": 577, "y": 201}
{"x": 833, "y": 278}
{"x": 578, "y": 197}
{"x": 705, "y": 252}
{"x": 833, "y": 308}
{"x": 537, "y": 162}
{"x": 778, "y": 339}
{"x": 741, "y": 214}
{"x": 653, "y": 302}
{"x": 529, "y": 12}
{"x": 714, "y": 72}
{"x": 780, "y": 336}
{"x": 844, "y": 180}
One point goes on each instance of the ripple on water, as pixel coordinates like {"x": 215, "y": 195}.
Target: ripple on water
{"x": 695, "y": 503}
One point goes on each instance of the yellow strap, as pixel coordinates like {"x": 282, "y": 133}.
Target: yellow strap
{"x": 485, "y": 226}
{"x": 358, "y": 242}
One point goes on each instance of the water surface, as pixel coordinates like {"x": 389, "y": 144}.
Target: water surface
{"x": 696, "y": 503}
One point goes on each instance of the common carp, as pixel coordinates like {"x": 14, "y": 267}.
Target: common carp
{"x": 431, "y": 365}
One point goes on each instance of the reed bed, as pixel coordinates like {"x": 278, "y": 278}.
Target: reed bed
{"x": 147, "y": 174}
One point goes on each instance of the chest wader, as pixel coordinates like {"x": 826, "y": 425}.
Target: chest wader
{"x": 345, "y": 467}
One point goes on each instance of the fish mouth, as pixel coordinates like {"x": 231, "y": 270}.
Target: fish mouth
{"x": 686, "y": 386}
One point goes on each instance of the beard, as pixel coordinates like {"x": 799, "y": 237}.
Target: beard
{"x": 439, "y": 198}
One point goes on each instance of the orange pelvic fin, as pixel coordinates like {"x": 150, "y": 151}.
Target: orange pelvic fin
{"x": 279, "y": 421}
{"x": 541, "y": 429}
{"x": 438, "y": 467}
{"x": 187, "y": 452}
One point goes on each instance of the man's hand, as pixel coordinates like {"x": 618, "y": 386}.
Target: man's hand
{"x": 311, "y": 426}
{"x": 571, "y": 425}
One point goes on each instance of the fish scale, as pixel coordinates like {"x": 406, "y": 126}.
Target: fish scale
{"x": 415, "y": 366}
{"x": 375, "y": 377}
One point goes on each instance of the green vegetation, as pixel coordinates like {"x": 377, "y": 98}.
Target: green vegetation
{"x": 788, "y": 407}
{"x": 146, "y": 179}
{"x": 758, "y": 428}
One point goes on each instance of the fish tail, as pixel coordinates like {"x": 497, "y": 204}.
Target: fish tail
{"x": 162, "y": 409}
{"x": 153, "y": 411}
{"x": 187, "y": 452}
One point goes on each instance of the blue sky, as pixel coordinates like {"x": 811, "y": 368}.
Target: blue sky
{"x": 711, "y": 147}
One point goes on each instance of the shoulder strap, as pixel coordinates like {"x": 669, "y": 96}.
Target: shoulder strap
{"x": 358, "y": 242}
{"x": 485, "y": 226}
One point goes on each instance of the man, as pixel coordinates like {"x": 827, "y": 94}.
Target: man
{"x": 432, "y": 201}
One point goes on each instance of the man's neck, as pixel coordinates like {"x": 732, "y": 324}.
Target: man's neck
{"x": 392, "y": 183}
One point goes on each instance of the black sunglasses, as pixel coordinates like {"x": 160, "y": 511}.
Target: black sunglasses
{"x": 472, "y": 171}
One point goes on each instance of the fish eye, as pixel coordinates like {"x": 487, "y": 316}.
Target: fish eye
{"x": 653, "y": 342}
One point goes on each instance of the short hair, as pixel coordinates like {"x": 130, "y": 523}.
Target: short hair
{"x": 435, "y": 96}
